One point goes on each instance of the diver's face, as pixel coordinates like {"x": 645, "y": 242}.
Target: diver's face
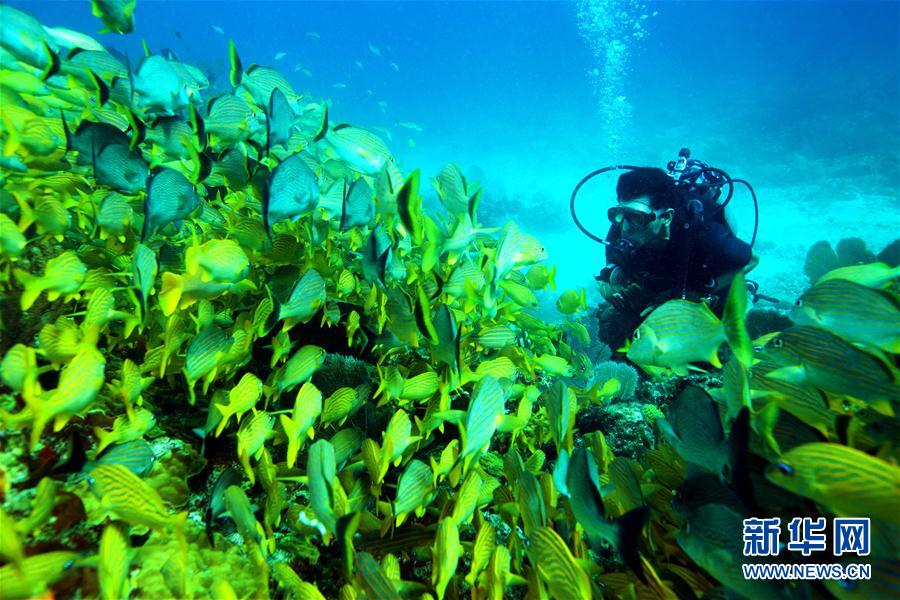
{"x": 642, "y": 225}
{"x": 638, "y": 234}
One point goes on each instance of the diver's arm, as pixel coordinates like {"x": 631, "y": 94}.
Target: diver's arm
{"x": 754, "y": 260}
{"x": 724, "y": 281}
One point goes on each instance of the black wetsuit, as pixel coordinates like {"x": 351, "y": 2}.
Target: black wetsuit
{"x": 691, "y": 262}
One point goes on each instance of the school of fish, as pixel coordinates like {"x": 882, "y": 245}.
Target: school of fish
{"x": 181, "y": 263}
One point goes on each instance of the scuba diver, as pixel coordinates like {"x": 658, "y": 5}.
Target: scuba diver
{"x": 668, "y": 239}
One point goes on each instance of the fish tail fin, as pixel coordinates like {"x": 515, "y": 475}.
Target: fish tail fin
{"x": 104, "y": 439}
{"x": 102, "y": 88}
{"x": 551, "y": 278}
{"x": 290, "y": 430}
{"x": 734, "y": 320}
{"x": 66, "y": 131}
{"x": 273, "y": 318}
{"x": 226, "y": 413}
{"x": 235, "y": 71}
{"x": 53, "y": 63}
{"x": 323, "y": 130}
{"x": 33, "y": 287}
{"x": 170, "y": 295}
{"x": 35, "y": 402}
{"x": 198, "y": 126}
{"x": 665, "y": 429}
{"x": 628, "y": 530}
{"x": 582, "y": 298}
{"x": 27, "y": 214}
{"x": 12, "y": 136}
{"x": 138, "y": 129}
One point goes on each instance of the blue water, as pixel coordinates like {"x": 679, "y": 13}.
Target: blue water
{"x": 800, "y": 98}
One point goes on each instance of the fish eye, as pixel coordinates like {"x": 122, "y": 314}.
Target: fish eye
{"x": 799, "y": 303}
{"x": 757, "y": 348}
{"x": 778, "y": 343}
{"x": 785, "y": 468}
{"x": 636, "y": 335}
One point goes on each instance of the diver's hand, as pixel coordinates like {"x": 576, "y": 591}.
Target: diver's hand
{"x": 624, "y": 297}
{"x": 629, "y": 299}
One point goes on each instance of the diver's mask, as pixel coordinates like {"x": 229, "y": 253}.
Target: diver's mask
{"x": 633, "y": 215}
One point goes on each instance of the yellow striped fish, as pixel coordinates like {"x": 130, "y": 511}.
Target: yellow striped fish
{"x": 803, "y": 401}
{"x": 557, "y": 567}
{"x": 498, "y": 336}
{"x": 339, "y": 405}
{"x": 852, "y": 311}
{"x": 37, "y": 574}
{"x": 115, "y": 216}
{"x": 241, "y": 398}
{"x": 847, "y": 481}
{"x": 451, "y": 189}
{"x": 129, "y": 498}
{"x": 397, "y": 438}
{"x": 63, "y": 276}
{"x": 346, "y": 443}
{"x": 677, "y": 334}
{"x": 230, "y": 120}
{"x": 79, "y": 384}
{"x": 136, "y": 456}
{"x": 445, "y": 555}
{"x": 41, "y": 508}
{"x": 125, "y": 429}
{"x": 307, "y": 297}
{"x": 238, "y": 506}
{"x": 144, "y": 269}
{"x": 253, "y": 433}
{"x": 299, "y": 427}
{"x": 482, "y": 549}
{"x": 361, "y": 150}
{"x": 10, "y": 543}
{"x": 204, "y": 355}
{"x": 300, "y": 367}
{"x": 467, "y": 498}
{"x": 373, "y": 578}
{"x": 420, "y": 387}
{"x": 112, "y": 570}
{"x": 12, "y": 242}
{"x": 414, "y": 491}
{"x": 60, "y": 341}
{"x": 488, "y": 400}
{"x": 509, "y": 247}
{"x": 259, "y": 81}
{"x": 820, "y": 358}
{"x": 221, "y": 260}
{"x": 321, "y": 471}
{"x": 18, "y": 366}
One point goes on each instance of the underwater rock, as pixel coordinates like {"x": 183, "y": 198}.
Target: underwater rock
{"x": 340, "y": 371}
{"x": 176, "y": 462}
{"x": 761, "y": 321}
{"x": 623, "y": 425}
